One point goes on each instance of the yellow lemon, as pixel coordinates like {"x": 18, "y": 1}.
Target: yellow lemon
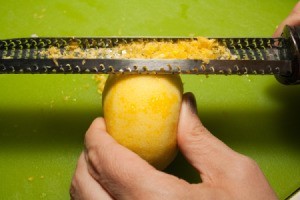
{"x": 142, "y": 112}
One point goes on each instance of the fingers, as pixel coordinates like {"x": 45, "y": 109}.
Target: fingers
{"x": 121, "y": 174}
{"x": 117, "y": 169}
{"x": 293, "y": 20}
{"x": 219, "y": 166}
{"x": 204, "y": 151}
{"x": 83, "y": 186}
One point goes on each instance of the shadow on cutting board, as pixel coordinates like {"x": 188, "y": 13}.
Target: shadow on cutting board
{"x": 288, "y": 117}
{"x": 38, "y": 130}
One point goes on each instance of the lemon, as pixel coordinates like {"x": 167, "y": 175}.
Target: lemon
{"x": 142, "y": 112}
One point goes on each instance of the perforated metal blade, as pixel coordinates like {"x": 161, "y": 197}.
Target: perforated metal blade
{"x": 253, "y": 56}
{"x": 144, "y": 66}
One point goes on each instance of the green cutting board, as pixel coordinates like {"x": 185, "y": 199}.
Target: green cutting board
{"x": 43, "y": 118}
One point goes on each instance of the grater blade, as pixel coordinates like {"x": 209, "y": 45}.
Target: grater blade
{"x": 144, "y": 66}
{"x": 252, "y": 56}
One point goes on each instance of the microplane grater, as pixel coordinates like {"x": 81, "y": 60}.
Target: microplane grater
{"x": 276, "y": 56}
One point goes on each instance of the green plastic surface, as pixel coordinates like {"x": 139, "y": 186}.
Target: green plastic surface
{"x": 43, "y": 118}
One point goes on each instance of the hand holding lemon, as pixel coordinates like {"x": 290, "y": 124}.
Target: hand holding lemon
{"x": 108, "y": 170}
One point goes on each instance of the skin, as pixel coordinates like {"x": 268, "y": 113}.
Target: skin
{"x": 293, "y": 20}
{"x": 107, "y": 170}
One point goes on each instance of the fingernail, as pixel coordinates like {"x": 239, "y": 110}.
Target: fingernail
{"x": 190, "y": 100}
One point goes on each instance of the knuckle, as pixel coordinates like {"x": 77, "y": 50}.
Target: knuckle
{"x": 92, "y": 154}
{"x": 93, "y": 161}
{"x": 72, "y": 189}
{"x": 197, "y": 129}
{"x": 87, "y": 137}
{"x": 96, "y": 151}
{"x": 194, "y": 134}
{"x": 199, "y": 139}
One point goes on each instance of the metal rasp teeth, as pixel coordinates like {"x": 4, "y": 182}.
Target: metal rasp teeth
{"x": 263, "y": 56}
{"x": 229, "y": 71}
{"x": 144, "y": 66}
{"x": 111, "y": 69}
{"x": 245, "y": 70}
{"x": 145, "y": 69}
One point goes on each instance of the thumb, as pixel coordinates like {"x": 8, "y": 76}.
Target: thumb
{"x": 292, "y": 20}
{"x": 203, "y": 150}
{"x": 118, "y": 170}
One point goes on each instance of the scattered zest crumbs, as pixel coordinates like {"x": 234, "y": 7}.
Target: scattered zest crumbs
{"x": 100, "y": 80}
{"x": 30, "y": 179}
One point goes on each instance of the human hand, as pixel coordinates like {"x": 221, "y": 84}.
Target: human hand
{"x": 292, "y": 20}
{"x": 107, "y": 170}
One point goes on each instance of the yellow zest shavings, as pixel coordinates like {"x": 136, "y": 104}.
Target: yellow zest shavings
{"x": 68, "y": 52}
{"x": 201, "y": 48}
{"x": 100, "y": 80}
